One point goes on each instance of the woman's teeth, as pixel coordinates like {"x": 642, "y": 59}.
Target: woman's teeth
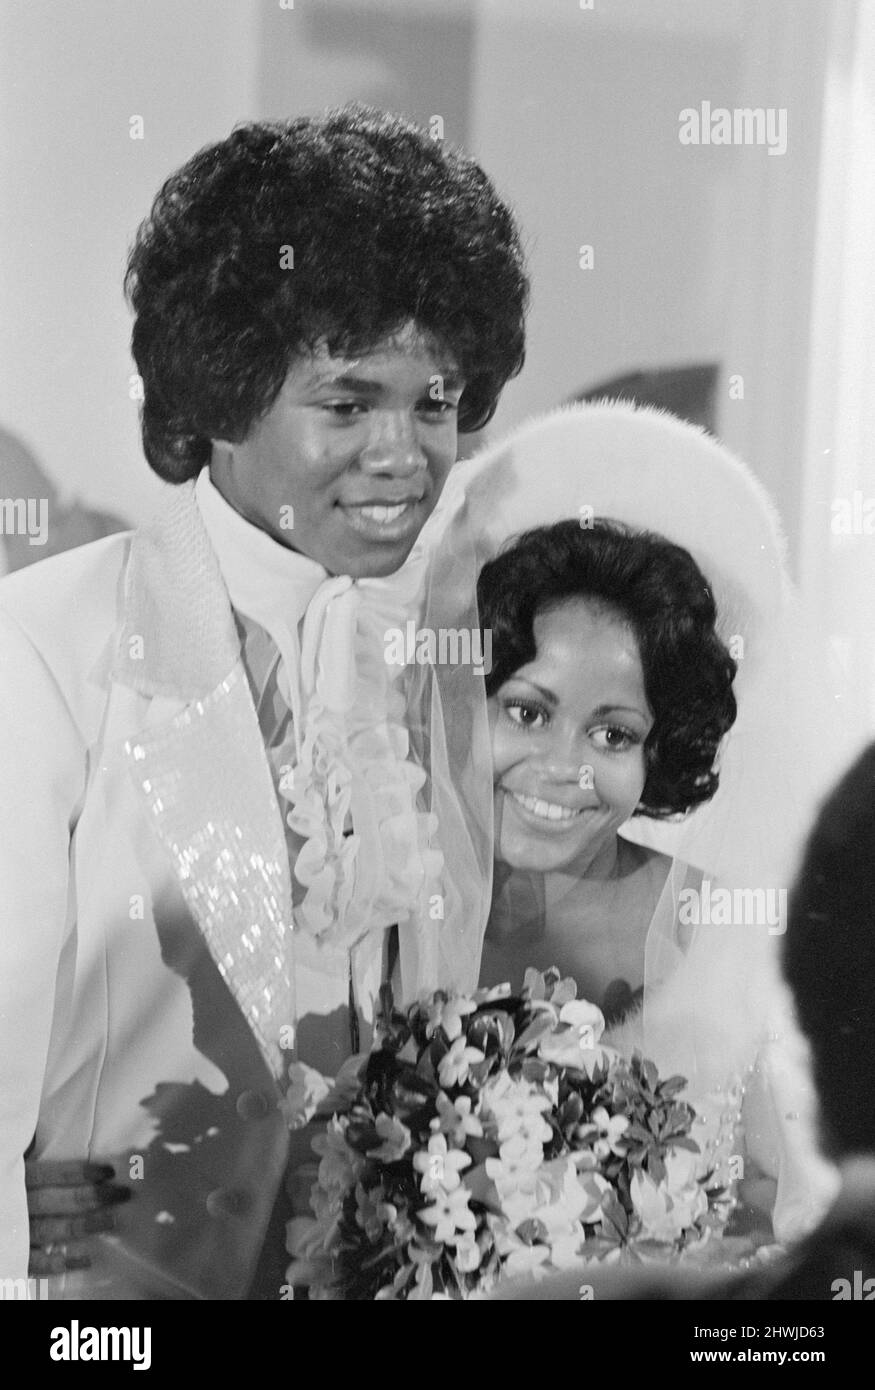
{"x": 547, "y": 810}
{"x": 383, "y": 514}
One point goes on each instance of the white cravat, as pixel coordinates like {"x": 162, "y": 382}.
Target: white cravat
{"x": 337, "y": 684}
{"x": 269, "y": 583}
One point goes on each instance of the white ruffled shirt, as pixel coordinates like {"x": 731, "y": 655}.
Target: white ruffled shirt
{"x": 360, "y": 851}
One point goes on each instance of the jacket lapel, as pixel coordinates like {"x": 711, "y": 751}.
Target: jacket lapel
{"x": 202, "y": 771}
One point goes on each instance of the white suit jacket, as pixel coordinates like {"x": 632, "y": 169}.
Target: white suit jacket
{"x": 144, "y": 903}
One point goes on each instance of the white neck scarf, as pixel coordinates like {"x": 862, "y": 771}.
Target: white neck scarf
{"x": 351, "y": 746}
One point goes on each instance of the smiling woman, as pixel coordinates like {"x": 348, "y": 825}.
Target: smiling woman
{"x": 609, "y": 697}
{"x": 615, "y": 709}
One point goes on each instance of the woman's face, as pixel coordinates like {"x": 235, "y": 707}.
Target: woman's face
{"x": 349, "y": 461}
{"x": 568, "y": 734}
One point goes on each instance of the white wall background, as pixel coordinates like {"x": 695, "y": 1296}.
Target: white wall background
{"x": 700, "y": 254}
{"x": 73, "y": 188}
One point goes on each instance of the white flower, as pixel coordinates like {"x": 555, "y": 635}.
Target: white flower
{"x": 666, "y": 1215}
{"x": 566, "y": 1250}
{"x": 468, "y": 1255}
{"x": 447, "y": 1012}
{"x": 454, "y": 1066}
{"x": 456, "y": 1120}
{"x": 516, "y": 1107}
{"x": 491, "y": 994}
{"x": 569, "y": 1198}
{"x": 341, "y": 1165}
{"x": 611, "y": 1129}
{"x": 441, "y": 1168}
{"x": 652, "y": 1205}
{"x": 395, "y": 1137}
{"x": 449, "y": 1213}
{"x": 587, "y": 1018}
{"x": 302, "y": 1098}
{"x": 680, "y": 1169}
{"x": 565, "y": 1050}
{"x": 519, "y": 1258}
{"x": 519, "y": 1160}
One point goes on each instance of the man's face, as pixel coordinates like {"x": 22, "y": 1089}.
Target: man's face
{"x": 349, "y": 461}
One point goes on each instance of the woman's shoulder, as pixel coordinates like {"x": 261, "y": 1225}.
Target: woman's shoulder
{"x": 665, "y": 870}
{"x": 674, "y": 888}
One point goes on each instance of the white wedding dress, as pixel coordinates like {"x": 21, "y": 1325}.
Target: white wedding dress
{"x": 718, "y": 1011}
{"x": 714, "y": 1012}
{"x": 718, "y": 1014}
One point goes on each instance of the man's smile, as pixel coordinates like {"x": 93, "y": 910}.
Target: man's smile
{"x": 386, "y": 521}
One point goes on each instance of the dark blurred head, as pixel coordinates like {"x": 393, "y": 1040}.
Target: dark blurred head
{"x": 829, "y": 959}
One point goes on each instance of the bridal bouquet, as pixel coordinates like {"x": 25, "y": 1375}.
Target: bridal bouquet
{"x": 493, "y": 1135}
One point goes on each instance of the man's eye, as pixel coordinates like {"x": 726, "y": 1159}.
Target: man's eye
{"x": 440, "y": 408}
{"x": 525, "y": 714}
{"x": 344, "y": 410}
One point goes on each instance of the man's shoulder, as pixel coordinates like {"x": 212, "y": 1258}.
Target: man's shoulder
{"x": 66, "y": 596}
{"x": 68, "y": 609}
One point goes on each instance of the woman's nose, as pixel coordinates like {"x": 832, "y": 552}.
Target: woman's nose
{"x": 562, "y": 760}
{"x": 393, "y": 446}
{"x": 564, "y": 770}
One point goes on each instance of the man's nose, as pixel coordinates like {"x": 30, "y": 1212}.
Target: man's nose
{"x": 393, "y": 445}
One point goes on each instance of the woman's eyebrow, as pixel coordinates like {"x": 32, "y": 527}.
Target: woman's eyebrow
{"x": 602, "y": 710}
{"x": 542, "y": 690}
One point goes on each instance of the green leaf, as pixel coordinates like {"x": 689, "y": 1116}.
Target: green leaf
{"x": 532, "y": 1232}
{"x": 672, "y": 1086}
{"x": 638, "y": 1134}
{"x": 564, "y": 993}
{"x": 542, "y": 1024}
{"x": 534, "y": 1070}
{"x": 533, "y": 984}
{"x": 656, "y": 1167}
{"x": 424, "y": 1285}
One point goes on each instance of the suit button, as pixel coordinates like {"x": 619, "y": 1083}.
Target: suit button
{"x": 252, "y": 1105}
{"x": 228, "y": 1201}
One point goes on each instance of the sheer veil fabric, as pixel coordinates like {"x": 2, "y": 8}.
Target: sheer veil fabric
{"x": 716, "y": 1011}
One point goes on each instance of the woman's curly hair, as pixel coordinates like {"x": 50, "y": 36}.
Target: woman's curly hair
{"x": 658, "y": 589}
{"x": 385, "y": 226}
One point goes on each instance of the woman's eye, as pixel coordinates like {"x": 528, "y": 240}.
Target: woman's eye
{"x": 614, "y": 739}
{"x": 525, "y": 715}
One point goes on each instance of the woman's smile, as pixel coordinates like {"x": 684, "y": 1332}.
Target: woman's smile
{"x": 551, "y": 816}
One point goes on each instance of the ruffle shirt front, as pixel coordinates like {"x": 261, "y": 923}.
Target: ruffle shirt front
{"x": 360, "y": 849}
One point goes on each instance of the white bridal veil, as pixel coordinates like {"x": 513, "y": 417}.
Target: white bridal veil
{"x": 654, "y": 472}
